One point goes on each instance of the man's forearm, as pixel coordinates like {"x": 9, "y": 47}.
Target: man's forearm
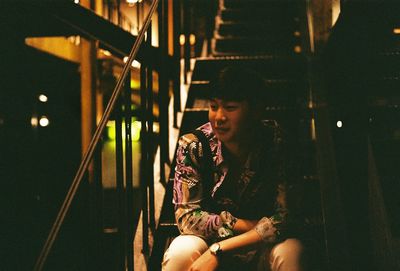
{"x": 248, "y": 238}
{"x": 244, "y": 225}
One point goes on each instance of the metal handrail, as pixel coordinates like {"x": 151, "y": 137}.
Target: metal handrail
{"x": 93, "y": 144}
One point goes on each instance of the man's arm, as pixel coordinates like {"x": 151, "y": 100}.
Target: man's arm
{"x": 189, "y": 196}
{"x": 209, "y": 262}
{"x": 244, "y": 225}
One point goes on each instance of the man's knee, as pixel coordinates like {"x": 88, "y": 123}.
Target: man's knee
{"x": 182, "y": 252}
{"x": 287, "y": 255}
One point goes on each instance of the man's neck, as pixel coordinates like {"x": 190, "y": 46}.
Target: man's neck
{"x": 238, "y": 152}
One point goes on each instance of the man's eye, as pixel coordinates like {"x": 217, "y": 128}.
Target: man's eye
{"x": 231, "y": 107}
{"x": 213, "y": 107}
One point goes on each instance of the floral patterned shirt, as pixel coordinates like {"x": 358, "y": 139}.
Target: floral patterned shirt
{"x": 257, "y": 194}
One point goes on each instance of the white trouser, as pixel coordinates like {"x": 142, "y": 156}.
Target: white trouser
{"x": 185, "y": 249}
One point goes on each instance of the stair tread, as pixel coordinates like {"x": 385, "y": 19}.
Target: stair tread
{"x": 274, "y": 45}
{"x": 284, "y": 15}
{"x": 262, "y": 4}
{"x": 226, "y": 29}
{"x": 271, "y": 67}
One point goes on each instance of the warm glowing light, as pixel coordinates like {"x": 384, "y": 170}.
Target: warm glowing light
{"x": 136, "y": 127}
{"x": 76, "y": 40}
{"x": 135, "y": 63}
{"x": 76, "y": 1}
{"x": 313, "y": 133}
{"x": 106, "y": 53}
{"x": 339, "y": 124}
{"x": 192, "y": 39}
{"x": 132, "y": 2}
{"x": 34, "y": 121}
{"x": 44, "y": 121}
{"x": 296, "y": 33}
{"x": 182, "y": 39}
{"x": 43, "y": 98}
{"x": 396, "y": 31}
{"x": 297, "y": 49}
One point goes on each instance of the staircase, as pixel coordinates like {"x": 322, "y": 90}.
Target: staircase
{"x": 263, "y": 35}
{"x": 256, "y": 27}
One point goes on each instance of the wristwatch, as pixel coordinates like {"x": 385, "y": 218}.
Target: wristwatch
{"x": 215, "y": 249}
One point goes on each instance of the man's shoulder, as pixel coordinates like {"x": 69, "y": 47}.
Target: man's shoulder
{"x": 189, "y": 138}
{"x": 192, "y": 146}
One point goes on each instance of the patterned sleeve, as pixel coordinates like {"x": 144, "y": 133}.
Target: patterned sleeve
{"x": 189, "y": 198}
{"x": 273, "y": 229}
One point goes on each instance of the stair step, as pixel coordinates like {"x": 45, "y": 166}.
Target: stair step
{"x": 277, "y": 16}
{"x": 254, "y": 30}
{"x": 254, "y": 46}
{"x": 282, "y": 67}
{"x": 261, "y": 4}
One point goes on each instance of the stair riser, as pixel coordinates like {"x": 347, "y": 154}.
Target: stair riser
{"x": 256, "y": 47}
{"x": 254, "y": 30}
{"x": 262, "y": 4}
{"x": 292, "y": 69}
{"x": 276, "y": 17}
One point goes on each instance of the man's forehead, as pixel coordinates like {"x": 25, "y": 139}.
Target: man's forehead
{"x": 219, "y": 100}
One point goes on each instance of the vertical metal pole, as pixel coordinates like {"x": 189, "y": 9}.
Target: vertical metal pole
{"x": 163, "y": 93}
{"x": 119, "y": 19}
{"x": 186, "y": 25}
{"x": 97, "y": 211}
{"x": 137, "y": 17}
{"x": 177, "y": 60}
{"x": 128, "y": 172}
{"x": 150, "y": 148}
{"x": 109, "y": 10}
{"x": 120, "y": 185}
{"x": 144, "y": 159}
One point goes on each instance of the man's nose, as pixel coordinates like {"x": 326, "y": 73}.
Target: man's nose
{"x": 220, "y": 116}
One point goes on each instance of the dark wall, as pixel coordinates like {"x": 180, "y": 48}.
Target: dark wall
{"x": 353, "y": 73}
{"x": 37, "y": 164}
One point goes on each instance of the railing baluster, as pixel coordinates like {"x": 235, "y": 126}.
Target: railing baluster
{"x": 176, "y": 60}
{"x": 163, "y": 93}
{"x": 128, "y": 172}
{"x": 96, "y": 207}
{"x": 144, "y": 158}
{"x": 186, "y": 28}
{"x": 149, "y": 118}
{"x": 119, "y": 170}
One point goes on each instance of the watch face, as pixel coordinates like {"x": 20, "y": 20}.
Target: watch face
{"x": 214, "y": 248}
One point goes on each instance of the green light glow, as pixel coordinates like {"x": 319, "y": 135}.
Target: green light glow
{"x": 135, "y": 130}
{"x": 135, "y": 84}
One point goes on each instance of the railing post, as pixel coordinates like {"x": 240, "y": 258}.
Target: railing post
{"x": 187, "y": 10}
{"x": 96, "y": 209}
{"x": 163, "y": 91}
{"x": 150, "y": 148}
{"x": 119, "y": 166}
{"x": 144, "y": 158}
{"x": 176, "y": 60}
{"x": 128, "y": 172}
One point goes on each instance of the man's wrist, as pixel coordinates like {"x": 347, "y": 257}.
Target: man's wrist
{"x": 216, "y": 250}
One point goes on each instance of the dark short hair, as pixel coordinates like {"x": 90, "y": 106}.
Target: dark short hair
{"x": 235, "y": 83}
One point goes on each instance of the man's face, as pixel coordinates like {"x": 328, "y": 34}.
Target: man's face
{"x": 230, "y": 120}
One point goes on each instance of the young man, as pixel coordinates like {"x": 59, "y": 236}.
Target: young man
{"x": 234, "y": 217}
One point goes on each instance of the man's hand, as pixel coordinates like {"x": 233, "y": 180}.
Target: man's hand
{"x": 206, "y": 262}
